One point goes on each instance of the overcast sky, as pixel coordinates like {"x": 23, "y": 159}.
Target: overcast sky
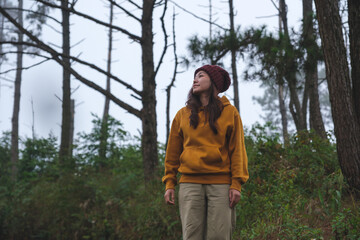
{"x": 43, "y": 83}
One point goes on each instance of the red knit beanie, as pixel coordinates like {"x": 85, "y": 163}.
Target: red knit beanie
{"x": 218, "y": 75}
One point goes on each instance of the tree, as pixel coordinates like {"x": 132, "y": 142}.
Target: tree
{"x": 147, "y": 96}
{"x": 346, "y": 124}
{"x": 168, "y": 88}
{"x": 311, "y": 69}
{"x": 233, "y": 50}
{"x": 65, "y": 144}
{"x": 354, "y": 36}
{"x": 16, "y": 107}
{"x": 104, "y": 132}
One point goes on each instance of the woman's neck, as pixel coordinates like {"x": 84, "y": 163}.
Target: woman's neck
{"x": 204, "y": 99}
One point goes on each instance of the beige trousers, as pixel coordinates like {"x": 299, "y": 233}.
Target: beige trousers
{"x": 205, "y": 212}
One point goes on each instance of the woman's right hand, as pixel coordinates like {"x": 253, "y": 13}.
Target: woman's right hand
{"x": 170, "y": 196}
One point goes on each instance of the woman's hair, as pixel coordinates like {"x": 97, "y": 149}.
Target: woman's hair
{"x": 212, "y": 110}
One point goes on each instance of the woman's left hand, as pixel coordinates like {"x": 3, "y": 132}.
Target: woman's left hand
{"x": 234, "y": 196}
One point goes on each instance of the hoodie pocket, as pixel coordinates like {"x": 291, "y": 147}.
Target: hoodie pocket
{"x": 204, "y": 159}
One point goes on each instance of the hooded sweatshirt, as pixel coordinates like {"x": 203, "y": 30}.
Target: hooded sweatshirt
{"x": 201, "y": 156}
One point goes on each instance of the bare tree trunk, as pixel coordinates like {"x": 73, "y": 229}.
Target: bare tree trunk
{"x": 17, "y": 94}
{"x": 280, "y": 83}
{"x": 2, "y": 23}
{"x": 311, "y": 70}
{"x": 347, "y": 129}
{"x": 284, "y": 121}
{"x": 294, "y": 104}
{"x": 233, "y": 58}
{"x": 354, "y": 36}
{"x": 72, "y": 124}
{"x": 104, "y": 122}
{"x": 168, "y": 89}
{"x": 149, "y": 134}
{"x": 65, "y": 147}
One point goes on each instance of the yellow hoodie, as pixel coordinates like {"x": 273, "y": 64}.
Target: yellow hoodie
{"x": 204, "y": 157}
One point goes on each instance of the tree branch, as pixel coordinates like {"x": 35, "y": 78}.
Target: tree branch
{"x": 202, "y": 19}
{"x": 56, "y": 56}
{"x": 165, "y": 38}
{"x": 133, "y": 3}
{"x": 25, "y": 68}
{"x": 72, "y": 10}
{"x": 31, "y": 11}
{"x": 126, "y": 11}
{"x": 91, "y": 65}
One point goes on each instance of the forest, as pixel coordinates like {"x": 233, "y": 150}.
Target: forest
{"x": 104, "y": 182}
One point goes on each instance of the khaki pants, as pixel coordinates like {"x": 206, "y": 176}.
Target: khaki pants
{"x": 205, "y": 212}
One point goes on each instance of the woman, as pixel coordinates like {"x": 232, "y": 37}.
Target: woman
{"x": 206, "y": 145}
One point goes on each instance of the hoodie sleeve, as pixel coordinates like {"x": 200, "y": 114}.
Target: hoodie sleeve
{"x": 238, "y": 156}
{"x": 173, "y": 152}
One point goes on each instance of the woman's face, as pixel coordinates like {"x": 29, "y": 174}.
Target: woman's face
{"x": 202, "y": 83}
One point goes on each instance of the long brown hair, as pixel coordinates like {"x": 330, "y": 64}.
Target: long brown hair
{"x": 212, "y": 110}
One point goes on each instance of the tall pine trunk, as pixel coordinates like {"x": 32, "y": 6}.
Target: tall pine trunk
{"x": 105, "y": 117}
{"x": 311, "y": 70}
{"x": 354, "y": 36}
{"x": 233, "y": 57}
{"x": 149, "y": 132}
{"x": 65, "y": 145}
{"x": 347, "y": 129}
{"x": 17, "y": 94}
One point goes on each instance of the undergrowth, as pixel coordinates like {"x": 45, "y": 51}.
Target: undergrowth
{"x": 294, "y": 192}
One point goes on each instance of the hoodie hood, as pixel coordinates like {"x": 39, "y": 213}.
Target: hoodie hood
{"x": 224, "y": 101}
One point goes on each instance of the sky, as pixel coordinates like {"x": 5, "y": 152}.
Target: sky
{"x": 42, "y": 85}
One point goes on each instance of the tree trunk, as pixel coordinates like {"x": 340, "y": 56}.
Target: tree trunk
{"x": 2, "y": 23}
{"x": 354, "y": 36}
{"x": 104, "y": 122}
{"x": 72, "y": 124}
{"x": 284, "y": 121}
{"x": 168, "y": 89}
{"x": 233, "y": 57}
{"x": 149, "y": 134}
{"x": 65, "y": 147}
{"x": 17, "y": 94}
{"x": 311, "y": 70}
{"x": 347, "y": 129}
{"x": 294, "y": 104}
{"x": 280, "y": 83}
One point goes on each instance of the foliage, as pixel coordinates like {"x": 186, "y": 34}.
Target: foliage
{"x": 296, "y": 192}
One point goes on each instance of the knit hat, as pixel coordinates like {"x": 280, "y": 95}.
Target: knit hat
{"x": 218, "y": 75}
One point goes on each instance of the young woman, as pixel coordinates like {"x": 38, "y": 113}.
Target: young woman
{"x": 206, "y": 145}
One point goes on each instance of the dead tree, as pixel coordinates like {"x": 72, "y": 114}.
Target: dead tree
{"x": 65, "y": 144}
{"x": 17, "y": 94}
{"x": 104, "y": 122}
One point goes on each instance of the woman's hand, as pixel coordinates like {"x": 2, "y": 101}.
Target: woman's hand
{"x": 234, "y": 197}
{"x": 170, "y": 196}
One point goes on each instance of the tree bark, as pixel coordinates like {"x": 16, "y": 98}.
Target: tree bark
{"x": 347, "y": 129}
{"x": 65, "y": 145}
{"x": 17, "y": 95}
{"x": 149, "y": 134}
{"x": 233, "y": 57}
{"x": 104, "y": 122}
{"x": 311, "y": 70}
{"x": 354, "y": 37}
